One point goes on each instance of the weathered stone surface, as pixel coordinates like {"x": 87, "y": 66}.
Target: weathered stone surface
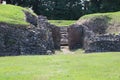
{"x": 98, "y": 25}
{"x": 41, "y": 37}
{"x": 97, "y": 37}
{"x": 32, "y": 19}
{"x": 103, "y": 43}
{"x": 75, "y": 36}
{"x": 64, "y": 36}
{"x": 56, "y": 36}
{"x": 26, "y": 40}
{"x": 9, "y": 40}
{"x": 55, "y": 31}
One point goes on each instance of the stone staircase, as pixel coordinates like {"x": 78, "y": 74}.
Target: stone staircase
{"x": 64, "y": 36}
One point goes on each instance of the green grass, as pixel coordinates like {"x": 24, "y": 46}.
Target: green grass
{"x": 12, "y": 15}
{"x": 76, "y": 66}
{"x": 114, "y": 16}
{"x": 62, "y": 22}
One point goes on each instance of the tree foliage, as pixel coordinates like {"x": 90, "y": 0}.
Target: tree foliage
{"x": 68, "y": 9}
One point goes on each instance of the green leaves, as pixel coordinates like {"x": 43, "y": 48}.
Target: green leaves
{"x": 68, "y": 9}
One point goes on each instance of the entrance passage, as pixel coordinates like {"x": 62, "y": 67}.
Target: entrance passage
{"x": 71, "y": 37}
{"x": 64, "y": 39}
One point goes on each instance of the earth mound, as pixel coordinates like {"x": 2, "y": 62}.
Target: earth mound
{"x": 22, "y": 32}
{"x": 101, "y": 32}
{"x": 102, "y": 23}
{"x": 16, "y": 15}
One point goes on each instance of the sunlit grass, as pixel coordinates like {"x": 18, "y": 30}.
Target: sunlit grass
{"x": 113, "y": 16}
{"x": 62, "y": 22}
{"x": 12, "y": 15}
{"x": 77, "y": 66}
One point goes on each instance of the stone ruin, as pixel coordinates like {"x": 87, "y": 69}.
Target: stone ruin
{"x": 55, "y": 31}
{"x": 80, "y": 36}
{"x": 22, "y": 40}
{"x": 101, "y": 42}
{"x": 75, "y": 36}
{"x": 43, "y": 38}
{"x": 40, "y": 37}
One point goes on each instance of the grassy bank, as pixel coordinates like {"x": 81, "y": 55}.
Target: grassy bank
{"x": 113, "y": 16}
{"x": 62, "y": 22}
{"x": 12, "y": 15}
{"x": 76, "y": 66}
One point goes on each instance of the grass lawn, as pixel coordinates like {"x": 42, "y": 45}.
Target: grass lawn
{"x": 62, "y": 22}
{"x": 13, "y": 15}
{"x": 113, "y": 16}
{"x": 76, "y": 66}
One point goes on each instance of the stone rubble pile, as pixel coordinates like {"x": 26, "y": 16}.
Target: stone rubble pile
{"x": 43, "y": 38}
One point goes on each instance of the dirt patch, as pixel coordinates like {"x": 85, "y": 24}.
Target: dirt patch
{"x": 66, "y": 50}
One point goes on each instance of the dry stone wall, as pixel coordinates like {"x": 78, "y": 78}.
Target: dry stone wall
{"x": 41, "y": 37}
{"x": 97, "y": 37}
{"x": 32, "y": 19}
{"x": 22, "y": 40}
{"x": 55, "y": 31}
{"x": 101, "y": 43}
{"x": 56, "y": 36}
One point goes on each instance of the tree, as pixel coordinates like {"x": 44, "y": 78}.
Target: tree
{"x": 53, "y": 9}
{"x": 68, "y": 9}
{"x": 95, "y": 6}
{"x": 110, "y": 5}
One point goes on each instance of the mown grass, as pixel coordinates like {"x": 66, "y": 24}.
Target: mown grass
{"x": 12, "y": 15}
{"x": 78, "y": 66}
{"x": 114, "y": 16}
{"x": 62, "y": 22}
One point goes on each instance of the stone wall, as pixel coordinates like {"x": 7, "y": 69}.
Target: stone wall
{"x": 99, "y": 34}
{"x": 103, "y": 43}
{"x": 55, "y": 30}
{"x": 41, "y": 37}
{"x": 56, "y": 36}
{"x": 30, "y": 18}
{"x": 24, "y": 40}
{"x": 75, "y": 36}
{"x": 97, "y": 24}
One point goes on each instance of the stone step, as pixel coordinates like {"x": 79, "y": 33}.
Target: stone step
{"x": 64, "y": 37}
{"x": 64, "y": 34}
{"x": 64, "y": 43}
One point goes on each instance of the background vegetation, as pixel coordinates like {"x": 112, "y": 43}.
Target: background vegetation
{"x": 68, "y": 9}
{"x": 61, "y": 23}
